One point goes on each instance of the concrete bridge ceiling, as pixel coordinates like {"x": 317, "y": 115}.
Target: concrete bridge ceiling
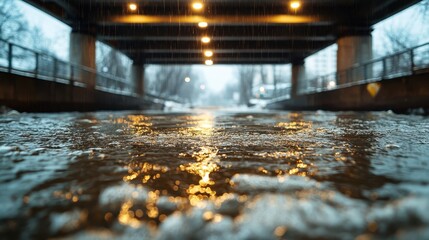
{"x": 241, "y": 31}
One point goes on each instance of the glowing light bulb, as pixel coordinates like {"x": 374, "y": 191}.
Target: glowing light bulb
{"x": 205, "y": 39}
{"x": 132, "y": 6}
{"x": 295, "y": 5}
{"x": 197, "y": 5}
{"x": 203, "y": 24}
{"x": 208, "y": 53}
{"x": 187, "y": 79}
{"x": 209, "y": 62}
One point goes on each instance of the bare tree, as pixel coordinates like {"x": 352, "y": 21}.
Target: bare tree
{"x": 111, "y": 61}
{"x": 169, "y": 81}
{"x": 399, "y": 37}
{"x": 277, "y": 78}
{"x": 246, "y": 74}
{"x": 13, "y": 26}
{"x": 39, "y": 42}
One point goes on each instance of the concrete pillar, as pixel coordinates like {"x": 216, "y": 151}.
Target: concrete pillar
{"x": 298, "y": 77}
{"x": 353, "y": 50}
{"x": 137, "y": 77}
{"x": 82, "y": 52}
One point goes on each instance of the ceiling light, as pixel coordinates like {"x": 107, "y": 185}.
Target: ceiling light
{"x": 132, "y": 6}
{"x": 209, "y": 62}
{"x": 205, "y": 39}
{"x": 197, "y": 5}
{"x": 202, "y": 24}
{"x": 295, "y": 5}
{"x": 208, "y": 53}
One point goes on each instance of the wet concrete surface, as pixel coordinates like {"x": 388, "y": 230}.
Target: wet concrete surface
{"x": 214, "y": 174}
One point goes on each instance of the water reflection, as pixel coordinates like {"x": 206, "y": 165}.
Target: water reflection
{"x": 295, "y": 123}
{"x": 206, "y": 163}
{"x": 124, "y": 171}
{"x": 354, "y": 148}
{"x": 200, "y": 125}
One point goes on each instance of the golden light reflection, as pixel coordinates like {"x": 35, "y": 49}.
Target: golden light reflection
{"x": 206, "y": 163}
{"x": 202, "y": 125}
{"x": 144, "y": 171}
{"x": 295, "y": 125}
{"x": 72, "y": 196}
{"x": 152, "y": 210}
{"x": 137, "y": 124}
{"x": 280, "y": 154}
{"x": 127, "y": 217}
{"x": 300, "y": 169}
{"x": 132, "y": 217}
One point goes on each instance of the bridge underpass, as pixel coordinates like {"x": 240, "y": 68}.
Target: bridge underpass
{"x": 207, "y": 173}
{"x": 235, "y": 32}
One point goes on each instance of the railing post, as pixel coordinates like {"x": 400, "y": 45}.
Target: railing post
{"x": 71, "y": 80}
{"x": 10, "y": 57}
{"x": 54, "y": 75}
{"x": 365, "y": 72}
{"x": 412, "y": 60}
{"x": 384, "y": 72}
{"x": 36, "y": 68}
{"x": 349, "y": 75}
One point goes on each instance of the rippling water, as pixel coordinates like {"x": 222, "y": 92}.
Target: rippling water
{"x": 214, "y": 175}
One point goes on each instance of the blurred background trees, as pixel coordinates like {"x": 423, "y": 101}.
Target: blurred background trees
{"x": 15, "y": 28}
{"x": 248, "y": 81}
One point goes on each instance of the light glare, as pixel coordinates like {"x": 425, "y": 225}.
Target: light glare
{"x": 205, "y": 39}
{"x": 209, "y": 62}
{"x": 203, "y": 24}
{"x": 132, "y": 6}
{"x": 295, "y": 5}
{"x": 208, "y": 53}
{"x": 197, "y": 5}
{"x": 187, "y": 79}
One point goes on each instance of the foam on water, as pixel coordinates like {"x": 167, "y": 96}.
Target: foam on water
{"x": 299, "y": 208}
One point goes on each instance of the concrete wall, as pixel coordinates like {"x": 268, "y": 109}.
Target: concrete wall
{"x": 32, "y": 95}
{"x": 82, "y": 52}
{"x": 137, "y": 76}
{"x": 397, "y": 94}
{"x": 353, "y": 50}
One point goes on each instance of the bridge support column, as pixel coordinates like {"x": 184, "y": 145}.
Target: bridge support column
{"x": 137, "y": 77}
{"x": 82, "y": 52}
{"x": 354, "y": 47}
{"x": 298, "y": 76}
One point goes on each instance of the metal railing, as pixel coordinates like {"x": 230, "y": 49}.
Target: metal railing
{"x": 157, "y": 98}
{"x": 404, "y": 63}
{"x": 23, "y": 61}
